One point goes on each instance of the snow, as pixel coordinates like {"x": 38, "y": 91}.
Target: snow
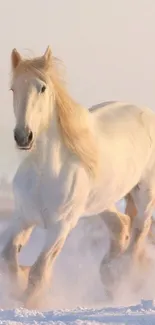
{"x": 76, "y": 282}
{"x": 137, "y": 315}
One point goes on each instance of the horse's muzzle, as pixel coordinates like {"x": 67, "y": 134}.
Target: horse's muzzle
{"x": 23, "y": 138}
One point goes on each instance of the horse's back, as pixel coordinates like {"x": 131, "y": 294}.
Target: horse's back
{"x": 101, "y": 105}
{"x": 127, "y": 138}
{"x": 119, "y": 110}
{"x": 119, "y": 118}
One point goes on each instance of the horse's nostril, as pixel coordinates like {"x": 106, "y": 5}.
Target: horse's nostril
{"x": 15, "y": 137}
{"x": 30, "y": 136}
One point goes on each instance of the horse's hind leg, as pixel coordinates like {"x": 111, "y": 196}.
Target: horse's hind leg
{"x": 119, "y": 225}
{"x": 131, "y": 211}
{"x": 141, "y": 262}
{"x": 144, "y": 199}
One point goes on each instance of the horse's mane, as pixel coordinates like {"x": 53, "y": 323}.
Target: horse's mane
{"x": 74, "y": 121}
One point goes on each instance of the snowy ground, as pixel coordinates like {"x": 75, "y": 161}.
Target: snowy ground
{"x": 76, "y": 282}
{"x": 135, "y": 315}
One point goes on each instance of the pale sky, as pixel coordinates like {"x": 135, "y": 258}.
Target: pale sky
{"x": 108, "y": 47}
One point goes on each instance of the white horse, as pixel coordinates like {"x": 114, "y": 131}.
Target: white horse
{"x": 78, "y": 163}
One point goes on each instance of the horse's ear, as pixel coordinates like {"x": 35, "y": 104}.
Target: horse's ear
{"x": 48, "y": 54}
{"x": 15, "y": 58}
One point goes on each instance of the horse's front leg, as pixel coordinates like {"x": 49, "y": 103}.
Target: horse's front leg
{"x": 40, "y": 272}
{"x": 72, "y": 207}
{"x": 14, "y": 237}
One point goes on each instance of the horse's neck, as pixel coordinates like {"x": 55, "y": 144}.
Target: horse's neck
{"x": 50, "y": 150}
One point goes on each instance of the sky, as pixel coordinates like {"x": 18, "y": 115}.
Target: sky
{"x": 107, "y": 46}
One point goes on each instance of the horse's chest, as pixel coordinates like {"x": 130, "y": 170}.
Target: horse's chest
{"x": 41, "y": 195}
{"x": 49, "y": 193}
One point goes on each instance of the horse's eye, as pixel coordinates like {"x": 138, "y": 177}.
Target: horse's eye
{"x": 43, "y": 88}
